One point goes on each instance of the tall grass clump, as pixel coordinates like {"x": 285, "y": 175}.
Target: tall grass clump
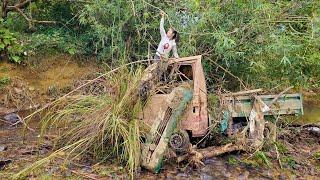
{"x": 101, "y": 127}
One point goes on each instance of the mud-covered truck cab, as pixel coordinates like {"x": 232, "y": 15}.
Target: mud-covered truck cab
{"x": 195, "y": 118}
{"x": 176, "y": 110}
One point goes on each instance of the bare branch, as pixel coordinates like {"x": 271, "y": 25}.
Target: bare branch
{"x": 18, "y": 8}
{"x": 20, "y": 5}
{"x": 31, "y": 20}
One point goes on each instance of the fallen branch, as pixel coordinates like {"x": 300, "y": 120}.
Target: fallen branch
{"x": 196, "y": 156}
{"x": 23, "y": 122}
{"x": 216, "y": 151}
{"x": 243, "y": 92}
{"x": 279, "y": 95}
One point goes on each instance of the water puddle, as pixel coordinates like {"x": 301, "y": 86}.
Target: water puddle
{"x": 311, "y": 114}
{"x": 59, "y": 72}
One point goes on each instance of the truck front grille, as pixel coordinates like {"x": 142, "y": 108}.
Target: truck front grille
{"x": 162, "y": 126}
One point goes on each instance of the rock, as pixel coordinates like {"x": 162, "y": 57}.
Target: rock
{"x": 312, "y": 171}
{"x": 3, "y": 163}
{"x": 206, "y": 177}
{"x": 53, "y": 170}
{"x": 227, "y": 175}
{"x": 3, "y": 148}
{"x": 268, "y": 174}
{"x": 17, "y": 90}
{"x": 12, "y": 118}
{"x": 31, "y": 88}
{"x": 211, "y": 160}
{"x": 314, "y": 130}
{"x": 182, "y": 175}
{"x": 68, "y": 173}
{"x": 244, "y": 175}
{"x": 297, "y": 167}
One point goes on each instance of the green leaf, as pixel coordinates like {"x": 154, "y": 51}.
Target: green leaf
{"x": 16, "y": 59}
{"x": 6, "y": 41}
{"x": 2, "y": 46}
{"x": 72, "y": 51}
{"x": 285, "y": 61}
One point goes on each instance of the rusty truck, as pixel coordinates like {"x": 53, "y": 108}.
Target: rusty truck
{"x": 178, "y": 112}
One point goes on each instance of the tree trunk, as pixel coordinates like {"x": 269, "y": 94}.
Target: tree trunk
{"x": 4, "y": 9}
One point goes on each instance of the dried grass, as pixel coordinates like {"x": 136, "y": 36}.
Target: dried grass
{"x": 104, "y": 126}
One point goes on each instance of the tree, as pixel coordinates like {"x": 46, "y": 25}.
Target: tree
{"x": 19, "y": 6}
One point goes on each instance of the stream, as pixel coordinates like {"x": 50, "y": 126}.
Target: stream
{"x": 311, "y": 114}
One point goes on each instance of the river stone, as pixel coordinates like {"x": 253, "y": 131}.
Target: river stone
{"x": 182, "y": 175}
{"x": 3, "y": 148}
{"x": 12, "y": 118}
{"x": 17, "y": 90}
{"x": 205, "y": 176}
{"x": 314, "y": 130}
{"x": 244, "y": 175}
{"x": 4, "y": 162}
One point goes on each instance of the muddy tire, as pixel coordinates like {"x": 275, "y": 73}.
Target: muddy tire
{"x": 179, "y": 141}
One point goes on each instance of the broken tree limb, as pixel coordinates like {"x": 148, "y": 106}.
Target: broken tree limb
{"x": 21, "y": 4}
{"x": 216, "y": 151}
{"x": 18, "y": 7}
{"x": 30, "y": 20}
{"x": 196, "y": 156}
{"x": 279, "y": 95}
{"x": 243, "y": 92}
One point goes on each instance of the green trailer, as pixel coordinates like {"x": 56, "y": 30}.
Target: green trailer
{"x": 287, "y": 104}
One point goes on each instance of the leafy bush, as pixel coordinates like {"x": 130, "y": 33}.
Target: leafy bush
{"x": 265, "y": 43}
{"x": 9, "y": 44}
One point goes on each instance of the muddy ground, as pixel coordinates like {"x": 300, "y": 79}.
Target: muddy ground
{"x": 297, "y": 155}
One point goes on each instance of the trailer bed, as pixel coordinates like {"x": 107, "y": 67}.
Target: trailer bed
{"x": 290, "y": 104}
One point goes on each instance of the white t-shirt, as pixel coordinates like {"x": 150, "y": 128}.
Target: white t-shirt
{"x": 166, "y": 45}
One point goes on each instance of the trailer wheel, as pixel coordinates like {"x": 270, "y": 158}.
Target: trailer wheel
{"x": 179, "y": 141}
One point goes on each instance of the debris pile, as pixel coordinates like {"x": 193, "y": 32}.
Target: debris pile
{"x": 109, "y": 118}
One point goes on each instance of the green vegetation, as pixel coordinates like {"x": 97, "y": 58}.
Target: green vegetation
{"x": 232, "y": 160}
{"x": 265, "y": 43}
{"x": 288, "y": 161}
{"x": 9, "y": 44}
{"x": 317, "y": 156}
{"x": 261, "y": 158}
{"x": 4, "y": 81}
{"x": 281, "y": 147}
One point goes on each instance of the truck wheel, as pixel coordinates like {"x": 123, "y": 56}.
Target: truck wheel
{"x": 179, "y": 141}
